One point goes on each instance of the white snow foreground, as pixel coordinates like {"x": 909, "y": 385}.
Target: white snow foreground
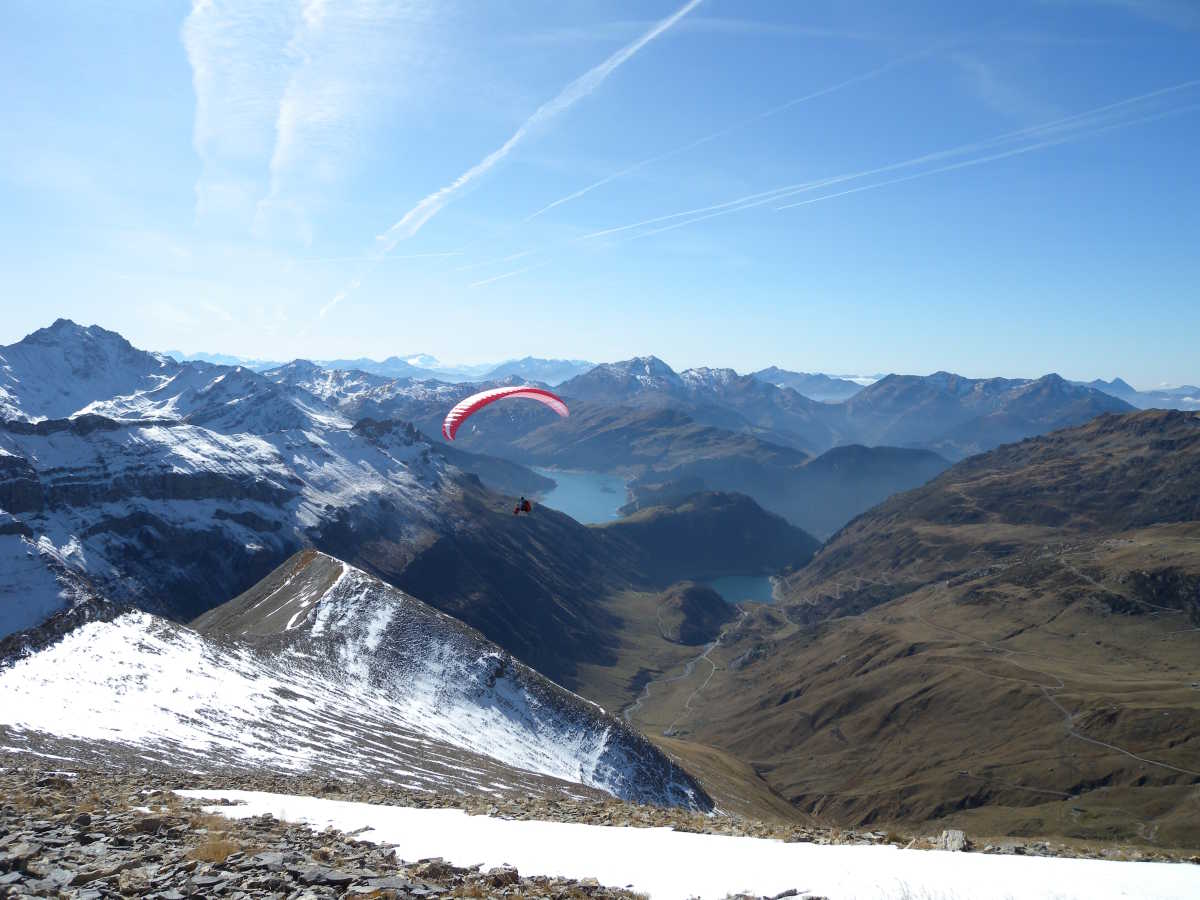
{"x": 667, "y": 864}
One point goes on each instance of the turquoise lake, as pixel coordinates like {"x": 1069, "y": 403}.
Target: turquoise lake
{"x": 736, "y": 588}
{"x": 587, "y": 497}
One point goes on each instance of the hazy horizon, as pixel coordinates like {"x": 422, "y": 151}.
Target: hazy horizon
{"x": 1002, "y": 189}
{"x": 435, "y": 363}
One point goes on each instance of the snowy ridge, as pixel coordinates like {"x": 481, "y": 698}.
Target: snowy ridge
{"x": 334, "y": 672}
{"x": 448, "y": 681}
{"x": 360, "y": 394}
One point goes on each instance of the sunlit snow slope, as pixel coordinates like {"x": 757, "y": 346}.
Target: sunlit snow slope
{"x": 672, "y": 865}
{"x": 322, "y": 668}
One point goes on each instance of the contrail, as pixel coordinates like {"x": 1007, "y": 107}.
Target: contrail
{"x": 1016, "y": 151}
{"x": 1076, "y": 126}
{"x": 339, "y": 297}
{"x": 761, "y": 198}
{"x": 512, "y": 274}
{"x": 512, "y": 257}
{"x": 729, "y": 129}
{"x": 439, "y": 255}
{"x": 426, "y": 209}
{"x": 1077, "y": 135}
{"x": 1080, "y": 120}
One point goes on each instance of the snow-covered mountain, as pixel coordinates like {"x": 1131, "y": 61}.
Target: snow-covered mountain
{"x": 424, "y": 402}
{"x": 625, "y": 381}
{"x": 322, "y": 668}
{"x": 175, "y": 485}
{"x": 57, "y": 371}
{"x": 358, "y": 393}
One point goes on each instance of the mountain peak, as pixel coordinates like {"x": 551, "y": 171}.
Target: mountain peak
{"x": 63, "y": 331}
{"x": 624, "y": 379}
{"x": 707, "y": 375}
{"x": 645, "y": 365}
{"x": 59, "y": 370}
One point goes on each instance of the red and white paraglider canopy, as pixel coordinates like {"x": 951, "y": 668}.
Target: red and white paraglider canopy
{"x": 464, "y": 409}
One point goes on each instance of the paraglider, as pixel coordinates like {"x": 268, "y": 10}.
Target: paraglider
{"x": 523, "y": 506}
{"x": 464, "y": 409}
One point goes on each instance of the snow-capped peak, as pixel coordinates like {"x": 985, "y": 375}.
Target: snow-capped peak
{"x": 56, "y": 371}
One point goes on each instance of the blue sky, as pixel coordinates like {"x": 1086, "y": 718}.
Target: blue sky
{"x": 996, "y": 188}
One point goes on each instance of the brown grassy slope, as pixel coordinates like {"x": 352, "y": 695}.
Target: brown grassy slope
{"x": 1014, "y": 647}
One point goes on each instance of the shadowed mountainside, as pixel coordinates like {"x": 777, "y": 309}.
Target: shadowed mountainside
{"x": 707, "y": 535}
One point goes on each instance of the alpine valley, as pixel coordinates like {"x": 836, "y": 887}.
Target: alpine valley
{"x": 985, "y": 605}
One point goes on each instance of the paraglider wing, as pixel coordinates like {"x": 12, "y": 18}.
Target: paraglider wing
{"x": 464, "y": 409}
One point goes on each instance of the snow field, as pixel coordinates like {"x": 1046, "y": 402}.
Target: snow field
{"x": 666, "y": 864}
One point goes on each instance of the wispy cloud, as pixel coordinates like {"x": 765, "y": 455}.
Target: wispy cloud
{"x": 430, "y": 206}
{"x": 284, "y": 94}
{"x": 1001, "y": 93}
{"x": 339, "y": 297}
{"x": 730, "y": 129}
{"x": 233, "y": 49}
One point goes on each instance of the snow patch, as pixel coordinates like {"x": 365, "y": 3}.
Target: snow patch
{"x": 667, "y": 864}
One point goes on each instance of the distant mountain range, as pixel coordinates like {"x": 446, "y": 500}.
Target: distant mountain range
{"x": 957, "y": 416}
{"x": 1186, "y": 397}
{"x": 716, "y": 430}
{"x": 814, "y": 385}
{"x": 947, "y": 413}
{"x": 545, "y": 371}
{"x": 672, "y": 433}
{"x": 417, "y": 366}
{"x": 657, "y": 376}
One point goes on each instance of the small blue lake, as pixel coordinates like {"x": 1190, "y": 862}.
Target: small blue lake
{"x": 737, "y": 588}
{"x": 587, "y": 497}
